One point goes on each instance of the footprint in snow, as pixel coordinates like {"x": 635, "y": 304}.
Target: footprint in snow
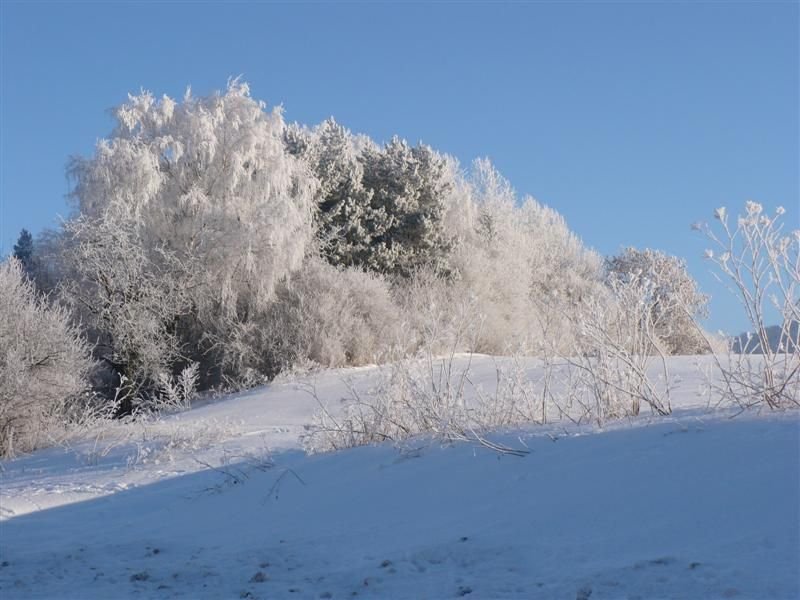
{"x": 463, "y": 590}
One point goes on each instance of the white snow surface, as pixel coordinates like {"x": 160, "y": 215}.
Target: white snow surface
{"x": 221, "y": 502}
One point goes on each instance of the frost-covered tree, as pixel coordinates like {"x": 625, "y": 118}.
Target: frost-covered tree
{"x": 522, "y": 264}
{"x": 210, "y": 179}
{"x": 343, "y": 204}
{"x": 408, "y": 189}
{"x": 672, "y": 295}
{"x": 382, "y": 208}
{"x": 130, "y": 301}
{"x": 493, "y": 266}
{"x": 208, "y": 182}
{"x": 44, "y": 362}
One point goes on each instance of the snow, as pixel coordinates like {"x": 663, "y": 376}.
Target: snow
{"x": 221, "y": 502}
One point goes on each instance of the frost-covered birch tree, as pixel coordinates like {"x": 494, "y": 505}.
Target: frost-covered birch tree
{"x": 208, "y": 183}
{"x": 522, "y": 264}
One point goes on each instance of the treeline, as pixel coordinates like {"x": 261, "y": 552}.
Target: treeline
{"x": 211, "y": 239}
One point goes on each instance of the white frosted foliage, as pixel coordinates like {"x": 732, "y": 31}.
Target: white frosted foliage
{"x": 209, "y": 179}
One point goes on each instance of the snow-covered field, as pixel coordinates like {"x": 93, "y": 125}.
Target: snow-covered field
{"x": 221, "y": 502}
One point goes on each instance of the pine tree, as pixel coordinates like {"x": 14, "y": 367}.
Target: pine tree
{"x": 342, "y": 202}
{"x": 381, "y": 208}
{"x": 23, "y": 250}
{"x": 408, "y": 187}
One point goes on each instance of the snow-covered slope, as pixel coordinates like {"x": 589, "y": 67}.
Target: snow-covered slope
{"x": 220, "y": 502}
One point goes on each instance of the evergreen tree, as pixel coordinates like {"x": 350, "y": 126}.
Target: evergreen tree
{"x": 23, "y": 250}
{"x": 381, "y": 208}
{"x": 343, "y": 207}
{"x": 408, "y": 188}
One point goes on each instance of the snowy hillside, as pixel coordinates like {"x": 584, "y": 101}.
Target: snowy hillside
{"x": 221, "y": 502}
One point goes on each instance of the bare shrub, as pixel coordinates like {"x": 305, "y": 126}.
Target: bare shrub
{"x": 674, "y": 298}
{"x": 439, "y": 316}
{"x": 177, "y": 393}
{"x": 760, "y": 264}
{"x": 44, "y": 363}
{"x": 613, "y": 356}
{"x": 426, "y": 397}
{"x": 618, "y": 346}
{"x": 328, "y": 316}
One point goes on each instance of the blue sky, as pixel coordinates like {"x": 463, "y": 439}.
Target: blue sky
{"x": 632, "y": 119}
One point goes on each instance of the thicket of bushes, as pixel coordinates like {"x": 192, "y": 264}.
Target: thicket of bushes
{"x": 44, "y": 363}
{"x": 212, "y": 239}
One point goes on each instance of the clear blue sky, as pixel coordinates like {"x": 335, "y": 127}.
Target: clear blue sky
{"x": 633, "y": 119}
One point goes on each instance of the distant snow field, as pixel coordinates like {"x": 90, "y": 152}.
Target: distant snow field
{"x": 222, "y": 502}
